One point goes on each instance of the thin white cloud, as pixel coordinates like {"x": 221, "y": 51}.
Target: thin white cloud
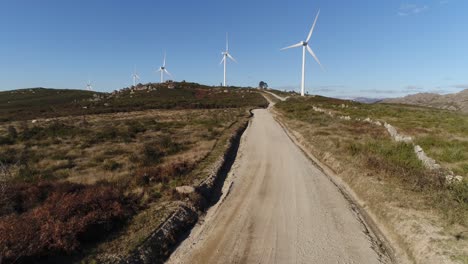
{"x": 411, "y": 9}
{"x": 328, "y": 88}
{"x": 413, "y": 88}
{"x": 378, "y": 91}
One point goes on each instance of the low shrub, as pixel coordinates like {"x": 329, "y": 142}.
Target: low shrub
{"x": 163, "y": 174}
{"x": 56, "y": 218}
{"x": 111, "y": 165}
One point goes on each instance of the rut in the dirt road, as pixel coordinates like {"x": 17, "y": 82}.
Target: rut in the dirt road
{"x": 280, "y": 209}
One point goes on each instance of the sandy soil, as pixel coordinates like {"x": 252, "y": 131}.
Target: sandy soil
{"x": 277, "y": 207}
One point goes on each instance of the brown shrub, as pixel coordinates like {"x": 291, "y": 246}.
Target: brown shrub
{"x": 164, "y": 173}
{"x": 70, "y": 215}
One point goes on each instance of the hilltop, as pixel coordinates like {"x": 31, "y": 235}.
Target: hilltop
{"x": 454, "y": 102}
{"x": 37, "y": 103}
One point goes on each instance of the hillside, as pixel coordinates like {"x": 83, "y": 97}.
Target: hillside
{"x": 93, "y": 175}
{"x": 38, "y": 103}
{"x": 454, "y": 102}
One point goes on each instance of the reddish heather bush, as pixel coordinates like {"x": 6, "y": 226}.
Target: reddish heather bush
{"x": 200, "y": 94}
{"x": 162, "y": 174}
{"x": 70, "y": 215}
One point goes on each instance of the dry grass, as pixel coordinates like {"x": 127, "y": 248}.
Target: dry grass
{"x": 145, "y": 155}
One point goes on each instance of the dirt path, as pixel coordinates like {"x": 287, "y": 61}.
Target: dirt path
{"x": 277, "y": 208}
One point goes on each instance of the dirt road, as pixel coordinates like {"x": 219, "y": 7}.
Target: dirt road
{"x": 277, "y": 207}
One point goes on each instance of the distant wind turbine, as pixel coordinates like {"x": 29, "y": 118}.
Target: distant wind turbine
{"x": 305, "y": 45}
{"x": 89, "y": 86}
{"x": 163, "y": 69}
{"x": 225, "y": 56}
{"x": 135, "y": 77}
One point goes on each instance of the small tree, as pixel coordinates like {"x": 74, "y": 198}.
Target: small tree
{"x": 262, "y": 85}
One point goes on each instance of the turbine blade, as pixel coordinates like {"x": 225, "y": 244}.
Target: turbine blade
{"x": 222, "y": 60}
{"x": 164, "y": 62}
{"x": 158, "y": 70}
{"x": 167, "y": 72}
{"x": 232, "y": 58}
{"x": 315, "y": 57}
{"x": 227, "y": 42}
{"x": 293, "y": 46}
{"x": 313, "y": 26}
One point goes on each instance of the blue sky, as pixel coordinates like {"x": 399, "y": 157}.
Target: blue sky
{"x": 368, "y": 47}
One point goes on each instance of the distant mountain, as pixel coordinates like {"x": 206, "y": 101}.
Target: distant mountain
{"x": 454, "y": 102}
{"x": 366, "y": 100}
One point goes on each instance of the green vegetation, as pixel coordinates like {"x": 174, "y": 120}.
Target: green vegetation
{"x": 46, "y": 103}
{"x": 41, "y": 102}
{"x": 442, "y": 134}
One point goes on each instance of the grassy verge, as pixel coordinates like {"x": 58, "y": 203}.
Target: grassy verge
{"x": 442, "y": 134}
{"x": 428, "y": 217}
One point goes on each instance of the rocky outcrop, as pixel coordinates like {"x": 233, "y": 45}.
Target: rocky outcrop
{"x": 428, "y": 162}
{"x": 397, "y": 137}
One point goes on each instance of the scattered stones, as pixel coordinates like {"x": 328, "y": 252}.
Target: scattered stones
{"x": 368, "y": 120}
{"x": 185, "y": 189}
{"x": 34, "y": 121}
{"x": 451, "y": 179}
{"x": 316, "y": 109}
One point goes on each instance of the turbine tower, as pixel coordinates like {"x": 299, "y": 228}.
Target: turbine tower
{"x": 135, "y": 77}
{"x": 305, "y": 45}
{"x": 163, "y": 69}
{"x": 225, "y": 56}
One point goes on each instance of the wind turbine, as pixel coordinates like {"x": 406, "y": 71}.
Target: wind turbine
{"x": 89, "y": 86}
{"x": 135, "y": 77}
{"x": 305, "y": 45}
{"x": 163, "y": 69}
{"x": 225, "y": 56}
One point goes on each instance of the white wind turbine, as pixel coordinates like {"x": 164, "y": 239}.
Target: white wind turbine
{"x": 225, "y": 56}
{"x": 305, "y": 45}
{"x": 163, "y": 69}
{"x": 89, "y": 86}
{"x": 135, "y": 77}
